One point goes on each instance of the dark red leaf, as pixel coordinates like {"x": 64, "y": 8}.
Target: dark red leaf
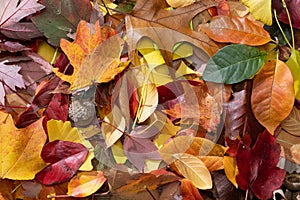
{"x": 293, "y": 7}
{"x": 257, "y": 167}
{"x": 65, "y": 158}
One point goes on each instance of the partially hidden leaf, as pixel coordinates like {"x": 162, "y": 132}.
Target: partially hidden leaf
{"x": 294, "y": 65}
{"x": 90, "y": 57}
{"x": 189, "y": 191}
{"x": 238, "y": 30}
{"x": 59, "y": 130}
{"x": 260, "y": 9}
{"x": 20, "y": 149}
{"x": 295, "y": 152}
{"x": 65, "y": 158}
{"x": 61, "y": 16}
{"x": 233, "y": 63}
{"x": 12, "y": 12}
{"x": 257, "y": 166}
{"x": 148, "y": 101}
{"x": 273, "y": 94}
{"x": 85, "y": 183}
{"x": 292, "y": 123}
{"x": 230, "y": 169}
{"x": 193, "y": 169}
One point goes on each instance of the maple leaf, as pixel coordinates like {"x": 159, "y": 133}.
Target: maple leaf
{"x": 12, "y": 12}
{"x": 10, "y": 78}
{"x": 88, "y": 52}
{"x": 20, "y": 149}
{"x": 257, "y": 166}
{"x": 150, "y": 19}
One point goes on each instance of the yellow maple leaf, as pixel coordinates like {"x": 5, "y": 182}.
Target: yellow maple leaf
{"x": 20, "y": 149}
{"x": 58, "y": 130}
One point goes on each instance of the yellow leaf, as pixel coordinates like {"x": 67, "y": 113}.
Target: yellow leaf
{"x": 20, "y": 149}
{"x": 212, "y": 163}
{"x": 230, "y": 169}
{"x": 261, "y": 10}
{"x": 148, "y": 101}
{"x": 294, "y": 65}
{"x": 193, "y": 169}
{"x": 58, "y": 130}
{"x": 180, "y": 3}
{"x": 114, "y": 124}
{"x": 47, "y": 52}
{"x": 295, "y": 152}
{"x": 85, "y": 183}
{"x": 182, "y": 51}
{"x": 118, "y": 152}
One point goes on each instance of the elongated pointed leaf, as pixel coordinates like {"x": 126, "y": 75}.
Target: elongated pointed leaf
{"x": 193, "y": 169}
{"x": 260, "y": 9}
{"x": 273, "y": 94}
{"x": 236, "y": 30}
{"x": 233, "y": 63}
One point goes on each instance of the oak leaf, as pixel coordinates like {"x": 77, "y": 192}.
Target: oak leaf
{"x": 273, "y": 94}
{"x": 235, "y": 30}
{"x": 150, "y": 19}
{"x": 21, "y": 148}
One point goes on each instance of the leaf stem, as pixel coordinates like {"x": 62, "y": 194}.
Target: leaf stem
{"x": 247, "y": 192}
{"x": 280, "y": 28}
{"x": 290, "y": 22}
{"x": 54, "y": 56}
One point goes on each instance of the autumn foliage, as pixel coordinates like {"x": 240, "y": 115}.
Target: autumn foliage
{"x": 148, "y": 99}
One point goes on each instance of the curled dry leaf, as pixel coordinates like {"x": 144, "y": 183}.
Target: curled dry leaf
{"x": 273, "y": 94}
{"x": 238, "y": 30}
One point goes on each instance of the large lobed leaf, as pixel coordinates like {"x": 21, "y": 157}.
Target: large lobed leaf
{"x": 20, "y": 149}
{"x": 233, "y": 63}
{"x": 238, "y": 30}
{"x": 257, "y": 167}
{"x": 273, "y": 94}
{"x": 61, "y": 16}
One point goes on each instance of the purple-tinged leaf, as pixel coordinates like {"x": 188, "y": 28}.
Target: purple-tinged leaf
{"x": 21, "y": 31}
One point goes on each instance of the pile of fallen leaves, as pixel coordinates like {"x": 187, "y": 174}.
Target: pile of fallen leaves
{"x": 148, "y": 99}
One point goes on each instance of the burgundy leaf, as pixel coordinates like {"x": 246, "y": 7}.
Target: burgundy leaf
{"x": 12, "y": 46}
{"x": 293, "y": 7}
{"x": 257, "y": 167}
{"x": 66, "y": 158}
{"x": 21, "y": 31}
{"x": 139, "y": 149}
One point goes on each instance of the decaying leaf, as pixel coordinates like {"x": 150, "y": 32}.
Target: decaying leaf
{"x": 273, "y": 94}
{"x": 237, "y": 30}
{"x": 20, "y": 149}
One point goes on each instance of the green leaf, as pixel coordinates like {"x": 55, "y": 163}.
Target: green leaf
{"x": 61, "y": 17}
{"x": 294, "y": 65}
{"x": 233, "y": 63}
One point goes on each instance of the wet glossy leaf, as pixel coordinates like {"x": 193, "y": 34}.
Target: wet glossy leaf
{"x": 273, "y": 94}
{"x": 260, "y": 9}
{"x": 233, "y": 64}
{"x": 193, "y": 169}
{"x": 21, "y": 148}
{"x": 85, "y": 183}
{"x": 236, "y": 30}
{"x": 65, "y": 158}
{"x": 61, "y": 16}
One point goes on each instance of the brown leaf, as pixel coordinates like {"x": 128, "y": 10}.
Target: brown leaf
{"x": 273, "y": 94}
{"x": 292, "y": 123}
{"x": 295, "y": 151}
{"x": 235, "y": 30}
{"x": 149, "y": 18}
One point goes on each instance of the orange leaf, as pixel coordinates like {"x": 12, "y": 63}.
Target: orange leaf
{"x": 273, "y": 94}
{"x": 236, "y": 30}
{"x": 189, "y": 191}
{"x": 86, "y": 183}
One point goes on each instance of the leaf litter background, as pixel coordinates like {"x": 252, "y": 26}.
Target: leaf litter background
{"x": 148, "y": 99}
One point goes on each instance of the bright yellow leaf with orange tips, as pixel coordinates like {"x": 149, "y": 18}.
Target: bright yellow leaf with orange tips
{"x": 94, "y": 55}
